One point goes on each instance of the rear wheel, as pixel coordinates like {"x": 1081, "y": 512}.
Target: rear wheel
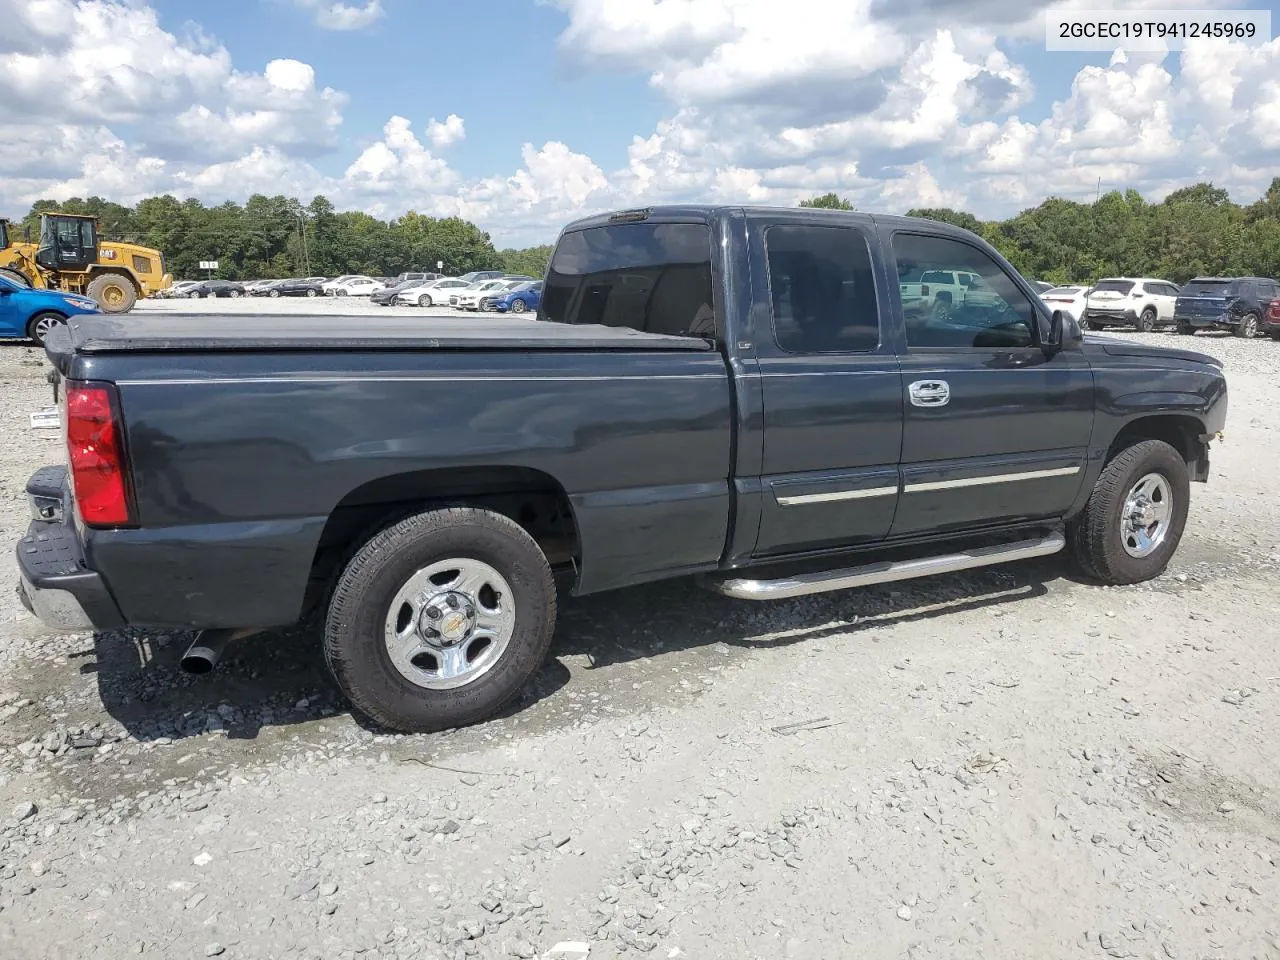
{"x": 113, "y": 293}
{"x": 1134, "y": 519}
{"x": 518, "y": 306}
{"x": 274, "y": 293}
{"x": 1095, "y": 325}
{"x": 1248, "y": 326}
{"x": 440, "y": 619}
{"x": 1147, "y": 321}
{"x": 42, "y": 324}
{"x": 16, "y": 276}
{"x": 424, "y": 300}
{"x": 312, "y": 293}
{"x": 1184, "y": 329}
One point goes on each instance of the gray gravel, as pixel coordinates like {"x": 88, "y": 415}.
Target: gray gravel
{"x": 1014, "y": 764}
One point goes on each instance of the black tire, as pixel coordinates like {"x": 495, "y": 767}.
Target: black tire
{"x": 273, "y": 293}
{"x": 354, "y": 643}
{"x": 16, "y": 276}
{"x": 1184, "y": 330}
{"x": 1147, "y": 321}
{"x": 1094, "y": 325}
{"x": 518, "y": 306}
{"x": 1096, "y": 536}
{"x": 425, "y": 301}
{"x": 312, "y": 293}
{"x": 36, "y": 330}
{"x": 1247, "y": 328}
{"x": 112, "y": 293}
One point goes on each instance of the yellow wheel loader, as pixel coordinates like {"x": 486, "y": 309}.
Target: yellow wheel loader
{"x": 69, "y": 256}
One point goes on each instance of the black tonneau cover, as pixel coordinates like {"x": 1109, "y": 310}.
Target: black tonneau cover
{"x": 221, "y": 333}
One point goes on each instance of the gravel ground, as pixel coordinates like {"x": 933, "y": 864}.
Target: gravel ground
{"x": 1009, "y": 763}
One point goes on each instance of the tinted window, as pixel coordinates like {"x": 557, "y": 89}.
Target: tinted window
{"x": 141, "y": 264}
{"x": 989, "y": 312}
{"x": 1206, "y": 288}
{"x": 649, "y": 276}
{"x": 1117, "y": 286}
{"x": 823, "y": 289}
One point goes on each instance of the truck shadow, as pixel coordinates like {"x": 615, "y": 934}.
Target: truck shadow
{"x": 279, "y": 679}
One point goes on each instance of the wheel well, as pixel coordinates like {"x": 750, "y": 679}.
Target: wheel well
{"x": 1179, "y": 431}
{"x": 531, "y": 498}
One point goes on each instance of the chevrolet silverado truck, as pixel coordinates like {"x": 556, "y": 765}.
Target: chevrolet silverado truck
{"x": 729, "y": 393}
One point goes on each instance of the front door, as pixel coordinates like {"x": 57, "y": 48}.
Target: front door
{"x": 832, "y": 391}
{"x": 994, "y": 431}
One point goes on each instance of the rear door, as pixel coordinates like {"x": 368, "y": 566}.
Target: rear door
{"x": 831, "y": 385}
{"x": 1166, "y": 296}
{"x": 994, "y": 431}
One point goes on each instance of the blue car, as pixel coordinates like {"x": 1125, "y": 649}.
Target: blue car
{"x": 29, "y": 313}
{"x": 524, "y": 297}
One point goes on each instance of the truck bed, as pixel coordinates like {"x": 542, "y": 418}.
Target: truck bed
{"x": 205, "y": 333}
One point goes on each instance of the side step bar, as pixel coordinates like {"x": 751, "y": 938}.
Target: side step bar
{"x": 886, "y": 572}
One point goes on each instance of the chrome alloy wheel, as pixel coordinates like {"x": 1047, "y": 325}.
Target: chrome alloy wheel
{"x": 1146, "y": 515}
{"x": 450, "y": 623}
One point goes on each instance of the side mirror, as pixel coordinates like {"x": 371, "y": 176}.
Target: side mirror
{"x": 1064, "y": 334}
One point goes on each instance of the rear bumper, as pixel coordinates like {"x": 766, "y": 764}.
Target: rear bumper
{"x": 54, "y": 581}
{"x": 1203, "y": 322}
{"x": 1118, "y": 316}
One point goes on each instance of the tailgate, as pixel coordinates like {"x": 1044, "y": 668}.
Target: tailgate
{"x": 1200, "y": 306}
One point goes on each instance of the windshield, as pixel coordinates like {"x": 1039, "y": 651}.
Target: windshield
{"x": 1206, "y": 288}
{"x": 1113, "y": 286}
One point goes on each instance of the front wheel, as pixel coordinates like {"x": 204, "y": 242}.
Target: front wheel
{"x": 1094, "y": 325}
{"x": 42, "y": 324}
{"x": 274, "y": 293}
{"x": 439, "y": 620}
{"x": 1248, "y": 326}
{"x": 1147, "y": 322}
{"x": 424, "y": 301}
{"x": 234, "y": 294}
{"x": 518, "y": 306}
{"x": 1134, "y": 519}
{"x": 312, "y": 293}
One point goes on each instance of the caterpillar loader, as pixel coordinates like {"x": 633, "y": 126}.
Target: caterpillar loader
{"x": 69, "y": 256}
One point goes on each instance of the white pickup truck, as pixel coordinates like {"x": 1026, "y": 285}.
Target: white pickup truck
{"x": 939, "y": 292}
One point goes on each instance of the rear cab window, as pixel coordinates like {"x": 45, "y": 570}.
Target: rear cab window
{"x": 654, "y": 277}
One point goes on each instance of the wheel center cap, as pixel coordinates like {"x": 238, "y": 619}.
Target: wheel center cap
{"x": 447, "y": 618}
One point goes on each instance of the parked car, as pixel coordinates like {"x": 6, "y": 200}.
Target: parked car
{"x": 259, "y": 288}
{"x": 1040, "y": 286}
{"x": 1137, "y": 302}
{"x": 331, "y": 285}
{"x": 434, "y": 293}
{"x": 475, "y": 276}
{"x": 469, "y": 299}
{"x": 32, "y": 314}
{"x": 1069, "y": 299}
{"x": 216, "y": 288}
{"x": 1225, "y": 303}
{"x": 1271, "y": 319}
{"x": 387, "y": 295}
{"x": 355, "y": 287}
{"x": 418, "y": 276}
{"x": 180, "y": 289}
{"x": 518, "y": 299}
{"x": 783, "y": 437}
{"x": 306, "y": 287}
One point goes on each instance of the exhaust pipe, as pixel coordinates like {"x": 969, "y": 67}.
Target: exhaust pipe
{"x": 203, "y": 654}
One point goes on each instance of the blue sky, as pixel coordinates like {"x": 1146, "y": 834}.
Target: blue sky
{"x": 520, "y": 114}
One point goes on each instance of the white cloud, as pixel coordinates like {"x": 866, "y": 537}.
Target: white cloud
{"x": 343, "y": 16}
{"x": 769, "y": 102}
{"x": 446, "y": 134}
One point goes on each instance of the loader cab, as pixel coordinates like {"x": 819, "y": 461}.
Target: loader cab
{"x": 4, "y": 234}
{"x": 67, "y": 242}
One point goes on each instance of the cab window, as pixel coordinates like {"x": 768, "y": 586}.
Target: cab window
{"x": 654, "y": 277}
{"x": 989, "y": 311}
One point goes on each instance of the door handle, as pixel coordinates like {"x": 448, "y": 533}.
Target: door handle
{"x": 929, "y": 393}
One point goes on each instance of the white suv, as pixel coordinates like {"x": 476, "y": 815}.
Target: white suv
{"x": 1138, "y": 302}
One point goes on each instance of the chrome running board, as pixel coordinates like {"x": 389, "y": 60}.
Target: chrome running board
{"x": 886, "y": 572}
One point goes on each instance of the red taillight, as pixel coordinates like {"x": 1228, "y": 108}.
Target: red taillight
{"x": 96, "y": 451}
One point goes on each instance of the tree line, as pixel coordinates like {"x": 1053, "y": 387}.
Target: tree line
{"x": 279, "y": 236}
{"x": 1195, "y": 231}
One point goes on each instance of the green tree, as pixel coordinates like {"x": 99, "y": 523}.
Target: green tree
{"x": 828, "y": 201}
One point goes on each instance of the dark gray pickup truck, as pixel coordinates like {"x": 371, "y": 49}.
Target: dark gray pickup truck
{"x": 733, "y": 393}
